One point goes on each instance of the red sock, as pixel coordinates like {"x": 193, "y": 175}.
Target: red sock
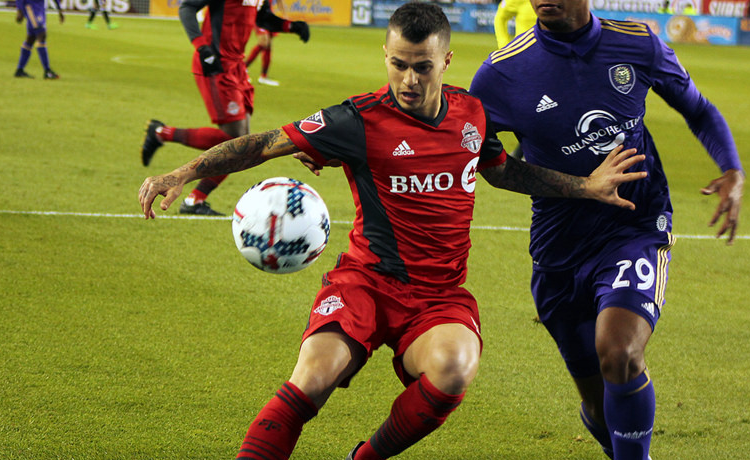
{"x": 266, "y": 61}
{"x": 417, "y": 412}
{"x": 166, "y": 133}
{"x": 274, "y": 432}
{"x": 205, "y": 187}
{"x": 199, "y": 138}
{"x": 253, "y": 54}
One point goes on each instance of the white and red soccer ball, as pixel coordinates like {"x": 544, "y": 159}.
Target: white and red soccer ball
{"x": 281, "y": 225}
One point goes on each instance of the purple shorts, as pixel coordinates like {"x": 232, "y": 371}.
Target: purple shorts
{"x": 36, "y": 17}
{"x": 630, "y": 273}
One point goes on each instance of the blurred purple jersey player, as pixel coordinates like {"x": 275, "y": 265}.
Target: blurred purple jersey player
{"x": 36, "y": 32}
{"x": 578, "y": 89}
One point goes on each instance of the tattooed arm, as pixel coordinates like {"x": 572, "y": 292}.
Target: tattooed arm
{"x": 601, "y": 185}
{"x": 231, "y": 156}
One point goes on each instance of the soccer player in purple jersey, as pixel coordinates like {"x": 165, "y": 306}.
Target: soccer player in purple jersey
{"x": 410, "y": 151}
{"x": 578, "y": 88}
{"x": 36, "y": 32}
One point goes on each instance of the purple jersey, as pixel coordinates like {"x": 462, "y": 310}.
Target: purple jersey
{"x": 571, "y": 99}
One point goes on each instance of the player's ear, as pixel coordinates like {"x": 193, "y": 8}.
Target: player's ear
{"x": 447, "y": 61}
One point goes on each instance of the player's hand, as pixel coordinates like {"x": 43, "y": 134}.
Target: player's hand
{"x": 19, "y": 16}
{"x": 603, "y": 182}
{"x": 729, "y": 188}
{"x": 313, "y": 166}
{"x": 302, "y": 29}
{"x": 210, "y": 61}
{"x": 166, "y": 185}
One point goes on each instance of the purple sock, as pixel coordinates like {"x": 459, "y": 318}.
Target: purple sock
{"x": 25, "y": 54}
{"x": 599, "y": 432}
{"x": 629, "y": 411}
{"x": 41, "y": 50}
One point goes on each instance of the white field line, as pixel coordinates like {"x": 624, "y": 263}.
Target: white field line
{"x": 338, "y": 222}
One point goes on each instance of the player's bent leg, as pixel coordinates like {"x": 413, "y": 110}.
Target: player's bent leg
{"x": 621, "y": 338}
{"x": 591, "y": 412}
{"x": 446, "y": 360}
{"x": 629, "y": 400}
{"x": 325, "y": 360}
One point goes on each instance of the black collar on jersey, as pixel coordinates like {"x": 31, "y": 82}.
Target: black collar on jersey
{"x": 579, "y": 42}
{"x": 434, "y": 122}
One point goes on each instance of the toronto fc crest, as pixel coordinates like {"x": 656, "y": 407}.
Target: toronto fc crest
{"x": 622, "y": 77}
{"x": 472, "y": 139}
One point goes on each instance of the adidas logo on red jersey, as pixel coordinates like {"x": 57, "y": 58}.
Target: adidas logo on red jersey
{"x": 402, "y": 150}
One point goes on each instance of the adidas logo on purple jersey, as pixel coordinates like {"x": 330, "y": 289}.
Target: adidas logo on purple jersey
{"x": 545, "y": 103}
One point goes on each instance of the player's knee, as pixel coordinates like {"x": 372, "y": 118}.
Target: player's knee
{"x": 620, "y": 363}
{"x": 452, "y": 367}
{"x": 317, "y": 379}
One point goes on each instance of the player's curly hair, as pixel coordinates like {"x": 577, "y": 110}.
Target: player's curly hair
{"x": 418, "y": 20}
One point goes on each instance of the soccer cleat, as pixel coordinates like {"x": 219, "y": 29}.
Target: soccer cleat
{"x": 267, "y": 81}
{"x": 354, "y": 451}
{"x": 151, "y": 141}
{"x": 198, "y": 209}
{"x": 91, "y": 26}
{"x": 49, "y": 74}
{"x": 113, "y": 25}
{"x": 20, "y": 73}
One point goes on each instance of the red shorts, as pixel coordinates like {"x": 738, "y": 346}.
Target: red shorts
{"x": 376, "y": 309}
{"x": 228, "y": 96}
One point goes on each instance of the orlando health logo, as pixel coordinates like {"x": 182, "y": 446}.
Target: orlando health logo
{"x": 600, "y": 132}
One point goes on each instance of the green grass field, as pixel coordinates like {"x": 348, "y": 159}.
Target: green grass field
{"x": 129, "y": 339}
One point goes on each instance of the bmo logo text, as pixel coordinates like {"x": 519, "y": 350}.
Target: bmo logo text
{"x": 435, "y": 182}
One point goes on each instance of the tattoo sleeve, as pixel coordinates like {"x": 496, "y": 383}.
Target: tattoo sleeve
{"x": 521, "y": 177}
{"x": 242, "y": 153}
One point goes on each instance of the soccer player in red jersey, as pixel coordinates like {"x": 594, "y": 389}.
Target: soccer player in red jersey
{"x": 410, "y": 151}
{"x": 221, "y": 76}
{"x": 263, "y": 48}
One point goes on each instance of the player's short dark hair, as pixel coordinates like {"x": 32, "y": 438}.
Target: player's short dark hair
{"x": 418, "y": 20}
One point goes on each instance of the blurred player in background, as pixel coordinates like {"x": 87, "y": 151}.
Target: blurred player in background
{"x": 36, "y": 32}
{"x": 410, "y": 151}
{"x": 263, "y": 47}
{"x": 92, "y": 14}
{"x": 524, "y": 15}
{"x": 221, "y": 77}
{"x": 572, "y": 90}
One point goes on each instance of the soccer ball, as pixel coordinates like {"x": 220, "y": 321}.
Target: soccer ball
{"x": 281, "y": 225}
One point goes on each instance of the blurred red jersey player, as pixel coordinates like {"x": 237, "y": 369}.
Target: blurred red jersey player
{"x": 221, "y": 76}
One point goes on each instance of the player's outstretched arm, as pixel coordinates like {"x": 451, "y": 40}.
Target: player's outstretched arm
{"x": 729, "y": 188}
{"x": 601, "y": 185}
{"x": 231, "y": 156}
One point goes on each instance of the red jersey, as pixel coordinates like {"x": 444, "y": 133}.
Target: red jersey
{"x": 412, "y": 179}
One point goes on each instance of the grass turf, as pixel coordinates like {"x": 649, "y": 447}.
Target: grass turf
{"x": 124, "y": 339}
